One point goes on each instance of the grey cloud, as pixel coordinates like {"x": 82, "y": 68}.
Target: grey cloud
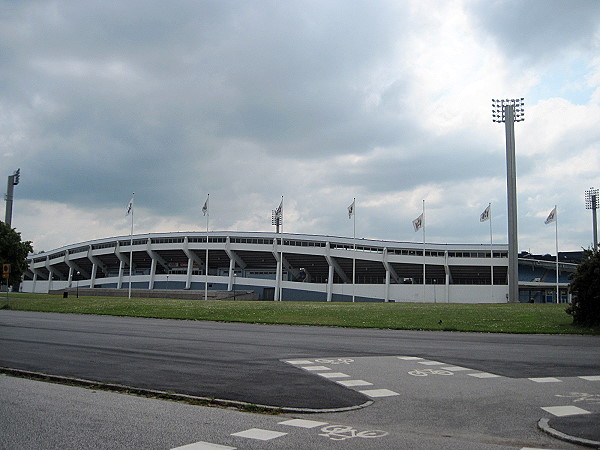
{"x": 539, "y": 30}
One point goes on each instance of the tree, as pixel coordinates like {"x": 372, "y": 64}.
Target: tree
{"x": 585, "y": 287}
{"x": 13, "y": 252}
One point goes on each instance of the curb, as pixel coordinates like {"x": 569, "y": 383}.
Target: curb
{"x": 191, "y": 399}
{"x": 544, "y": 426}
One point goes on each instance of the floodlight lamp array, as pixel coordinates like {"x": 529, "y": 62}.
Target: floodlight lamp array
{"x": 499, "y": 108}
{"x": 276, "y": 217}
{"x": 591, "y": 198}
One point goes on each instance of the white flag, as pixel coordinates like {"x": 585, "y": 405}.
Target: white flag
{"x": 205, "y": 207}
{"x": 485, "y": 215}
{"x": 351, "y": 209}
{"x": 129, "y": 207}
{"x": 551, "y": 217}
{"x": 279, "y": 211}
{"x": 418, "y": 223}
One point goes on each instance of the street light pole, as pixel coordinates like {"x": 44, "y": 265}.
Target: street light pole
{"x": 13, "y": 180}
{"x": 591, "y": 202}
{"x": 509, "y": 112}
{"x": 77, "y": 284}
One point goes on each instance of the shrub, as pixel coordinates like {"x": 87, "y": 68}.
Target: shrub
{"x": 585, "y": 287}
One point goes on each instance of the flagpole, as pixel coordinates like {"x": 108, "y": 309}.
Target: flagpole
{"x": 206, "y": 257}
{"x": 556, "y": 239}
{"x": 354, "y": 252}
{"x": 424, "y": 252}
{"x": 281, "y": 282}
{"x": 131, "y": 245}
{"x": 491, "y": 256}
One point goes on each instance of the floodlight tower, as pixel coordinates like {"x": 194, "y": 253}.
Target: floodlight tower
{"x": 13, "y": 180}
{"x": 591, "y": 202}
{"x": 509, "y": 112}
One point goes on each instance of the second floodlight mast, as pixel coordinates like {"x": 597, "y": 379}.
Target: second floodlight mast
{"x": 509, "y": 112}
{"x": 591, "y": 202}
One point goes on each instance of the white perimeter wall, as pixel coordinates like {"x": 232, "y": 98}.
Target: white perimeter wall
{"x": 397, "y": 293}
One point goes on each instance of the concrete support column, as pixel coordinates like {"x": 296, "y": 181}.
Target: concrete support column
{"x": 231, "y": 273}
{"x": 190, "y": 270}
{"x": 50, "y": 279}
{"x": 93, "y": 277}
{"x": 152, "y": 274}
{"x": 387, "y": 285}
{"x": 330, "y": 283}
{"x": 278, "y": 280}
{"x": 121, "y": 270}
{"x": 447, "y": 270}
{"x": 70, "y": 279}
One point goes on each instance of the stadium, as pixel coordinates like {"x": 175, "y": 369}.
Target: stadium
{"x": 292, "y": 267}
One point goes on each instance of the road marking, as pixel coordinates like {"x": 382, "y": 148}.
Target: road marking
{"x": 455, "y": 368}
{"x": 350, "y": 383}
{"x": 379, "y": 393}
{"x": 581, "y": 397}
{"x": 425, "y": 372}
{"x": 303, "y": 423}
{"x": 204, "y": 446}
{"x": 335, "y": 361}
{"x": 591, "y": 377}
{"x": 299, "y": 361}
{"x": 316, "y": 368}
{"x": 431, "y": 363}
{"x": 546, "y": 380}
{"x": 259, "y": 434}
{"x": 342, "y": 432}
{"x": 561, "y": 411}
{"x": 334, "y": 375}
{"x": 483, "y": 375}
{"x": 409, "y": 358}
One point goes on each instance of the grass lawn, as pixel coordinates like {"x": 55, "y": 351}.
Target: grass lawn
{"x": 497, "y": 318}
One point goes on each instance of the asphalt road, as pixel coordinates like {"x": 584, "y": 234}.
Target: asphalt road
{"x": 486, "y": 396}
{"x": 243, "y": 362}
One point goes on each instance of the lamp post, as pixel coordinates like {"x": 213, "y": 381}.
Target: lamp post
{"x": 13, "y": 180}
{"x": 234, "y": 287}
{"x": 591, "y": 202}
{"x": 77, "y": 284}
{"x": 509, "y": 112}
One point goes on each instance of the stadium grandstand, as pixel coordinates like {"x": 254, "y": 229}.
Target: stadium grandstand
{"x": 294, "y": 267}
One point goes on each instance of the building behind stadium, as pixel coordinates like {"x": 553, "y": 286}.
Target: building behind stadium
{"x": 294, "y": 267}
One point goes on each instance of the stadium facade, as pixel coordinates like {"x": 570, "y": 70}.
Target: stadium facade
{"x": 281, "y": 267}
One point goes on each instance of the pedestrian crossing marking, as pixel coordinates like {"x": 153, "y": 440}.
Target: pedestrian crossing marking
{"x": 259, "y": 434}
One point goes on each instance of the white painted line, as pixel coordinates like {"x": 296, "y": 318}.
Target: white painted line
{"x": 333, "y": 375}
{"x": 455, "y": 368}
{"x": 379, "y": 393}
{"x": 303, "y": 423}
{"x": 259, "y": 434}
{"x": 431, "y": 363}
{"x": 483, "y": 375}
{"x": 409, "y": 358}
{"x": 561, "y": 411}
{"x": 316, "y": 368}
{"x": 350, "y": 383}
{"x": 299, "y": 361}
{"x": 535, "y": 448}
{"x": 546, "y": 380}
{"x": 203, "y": 446}
{"x": 591, "y": 377}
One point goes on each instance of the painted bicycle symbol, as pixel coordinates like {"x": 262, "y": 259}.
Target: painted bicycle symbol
{"x": 582, "y": 397}
{"x": 335, "y": 361}
{"x": 341, "y": 433}
{"x": 425, "y": 372}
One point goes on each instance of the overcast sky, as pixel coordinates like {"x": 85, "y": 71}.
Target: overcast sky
{"x": 317, "y": 101}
